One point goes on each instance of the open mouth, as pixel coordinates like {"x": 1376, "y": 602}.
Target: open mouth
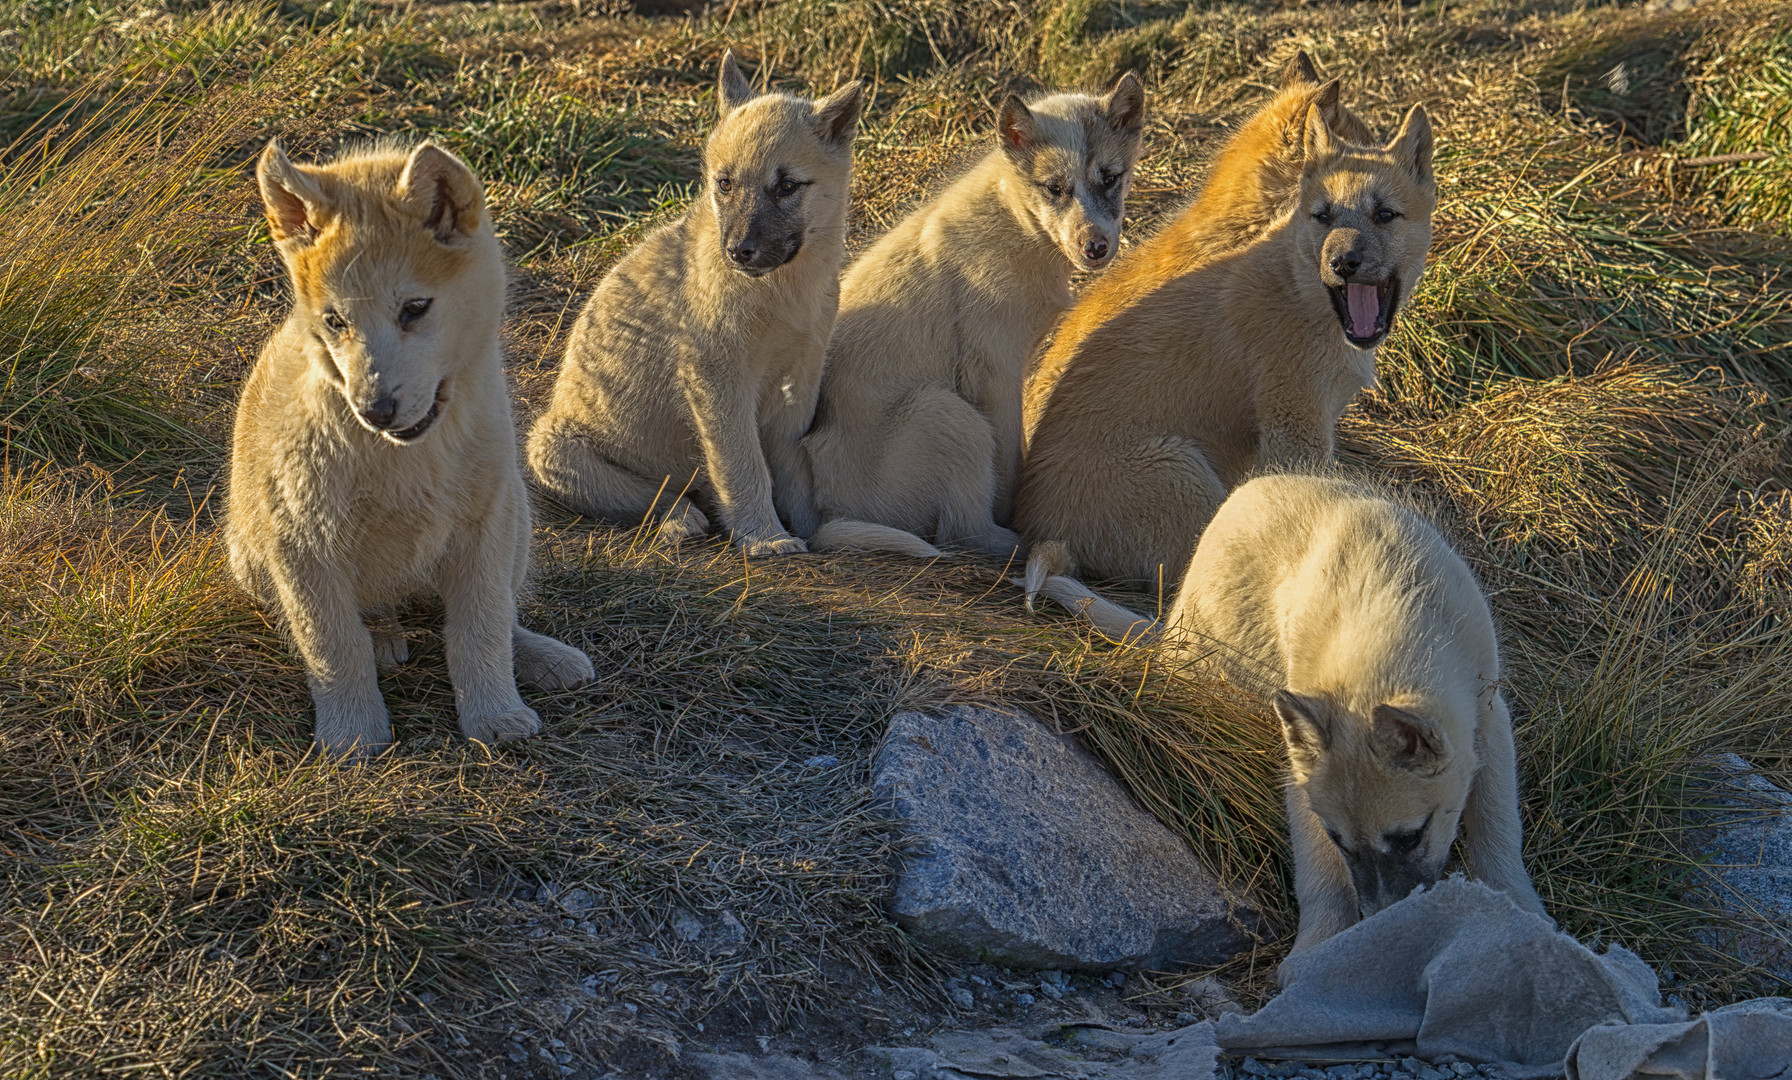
{"x": 415, "y": 431}
{"x": 1366, "y": 309}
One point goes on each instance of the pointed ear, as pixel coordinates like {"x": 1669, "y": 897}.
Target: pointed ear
{"x": 1125, "y": 104}
{"x": 295, "y": 203}
{"x": 732, "y": 89}
{"x": 1412, "y": 144}
{"x": 1300, "y": 71}
{"x": 1306, "y": 727}
{"x": 837, "y": 115}
{"x": 1407, "y": 739}
{"x": 1019, "y": 128}
{"x": 442, "y": 191}
{"x": 1319, "y": 143}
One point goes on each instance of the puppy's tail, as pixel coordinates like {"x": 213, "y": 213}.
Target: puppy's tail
{"x": 844, "y": 534}
{"x": 1048, "y": 572}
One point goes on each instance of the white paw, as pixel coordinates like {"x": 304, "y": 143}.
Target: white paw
{"x": 772, "y": 543}
{"x": 518, "y": 723}
{"x": 390, "y": 648}
{"x": 351, "y": 734}
{"x": 683, "y": 523}
{"x": 543, "y": 663}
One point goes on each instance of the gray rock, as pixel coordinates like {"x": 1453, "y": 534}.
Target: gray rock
{"x": 1750, "y": 852}
{"x": 1024, "y": 851}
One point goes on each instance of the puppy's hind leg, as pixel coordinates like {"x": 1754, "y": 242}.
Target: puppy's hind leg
{"x": 571, "y": 469}
{"x": 940, "y": 465}
{"x": 541, "y": 662}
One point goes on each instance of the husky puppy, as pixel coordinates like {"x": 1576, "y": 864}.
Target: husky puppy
{"x": 1253, "y": 181}
{"x": 918, "y": 430}
{"x": 693, "y": 370}
{"x": 1378, "y": 653}
{"x": 374, "y": 455}
{"x": 1243, "y": 363}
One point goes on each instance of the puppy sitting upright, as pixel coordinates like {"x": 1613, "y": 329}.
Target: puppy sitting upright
{"x": 374, "y": 455}
{"x": 1140, "y": 427}
{"x": 693, "y": 370}
{"x": 918, "y": 430}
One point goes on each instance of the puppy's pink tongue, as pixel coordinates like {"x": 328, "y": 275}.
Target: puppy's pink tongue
{"x": 1364, "y": 302}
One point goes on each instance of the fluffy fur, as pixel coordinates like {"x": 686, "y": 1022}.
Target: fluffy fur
{"x": 918, "y": 430}
{"x": 1377, "y": 651}
{"x": 374, "y": 455}
{"x": 1140, "y": 426}
{"x": 693, "y": 370}
{"x": 1252, "y": 182}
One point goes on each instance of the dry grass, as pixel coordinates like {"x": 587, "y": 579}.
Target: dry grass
{"x": 1589, "y": 391}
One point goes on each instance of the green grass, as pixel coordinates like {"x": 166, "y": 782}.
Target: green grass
{"x": 1590, "y": 389}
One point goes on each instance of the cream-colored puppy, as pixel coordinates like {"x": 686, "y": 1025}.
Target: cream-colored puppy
{"x": 374, "y": 456}
{"x": 693, "y": 370}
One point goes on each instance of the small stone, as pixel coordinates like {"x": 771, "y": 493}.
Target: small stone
{"x": 962, "y": 998}
{"x": 822, "y": 761}
{"x": 1252, "y": 1067}
{"x": 1462, "y": 1068}
{"x": 563, "y": 1058}
{"x": 588, "y": 986}
{"x": 1411, "y": 1064}
{"x": 658, "y": 989}
{"x": 426, "y": 997}
{"x": 765, "y": 1043}
{"x": 587, "y": 927}
{"x": 1187, "y": 1018}
{"x": 1024, "y": 999}
{"x": 567, "y": 1070}
{"x": 902, "y": 1074}
{"x": 728, "y": 930}
{"x": 1117, "y": 979}
{"x": 546, "y": 1055}
{"x": 577, "y": 901}
{"x": 979, "y": 980}
{"x": 1134, "y": 1021}
{"x": 686, "y": 926}
{"x": 1426, "y": 1072}
{"x": 517, "y": 1054}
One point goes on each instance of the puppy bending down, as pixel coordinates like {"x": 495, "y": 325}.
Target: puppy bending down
{"x": 918, "y": 430}
{"x": 693, "y": 370}
{"x": 1379, "y": 656}
{"x": 1141, "y": 425}
{"x": 374, "y": 455}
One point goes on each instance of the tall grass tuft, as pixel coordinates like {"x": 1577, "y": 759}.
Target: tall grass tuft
{"x": 101, "y": 201}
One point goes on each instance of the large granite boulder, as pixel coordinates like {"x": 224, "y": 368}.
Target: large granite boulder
{"x": 1024, "y": 851}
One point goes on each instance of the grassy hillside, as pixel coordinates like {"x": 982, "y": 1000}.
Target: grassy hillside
{"x": 1591, "y": 389}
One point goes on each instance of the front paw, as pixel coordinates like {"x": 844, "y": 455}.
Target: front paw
{"x": 518, "y": 723}
{"x": 543, "y": 663}
{"x": 350, "y": 734}
{"x": 771, "y": 542}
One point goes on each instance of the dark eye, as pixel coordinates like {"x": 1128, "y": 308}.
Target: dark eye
{"x": 1405, "y": 843}
{"x": 412, "y": 310}
{"x": 787, "y": 186}
{"x": 1324, "y": 217}
{"x": 724, "y": 185}
{"x": 334, "y": 323}
{"x": 1109, "y": 179}
{"x": 1384, "y": 215}
{"x": 1056, "y": 188}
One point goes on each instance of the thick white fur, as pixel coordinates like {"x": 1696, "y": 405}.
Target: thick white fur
{"x": 918, "y": 428}
{"x": 1380, "y": 655}
{"x": 330, "y": 518}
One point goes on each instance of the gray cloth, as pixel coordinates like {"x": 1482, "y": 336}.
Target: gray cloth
{"x": 1457, "y": 971}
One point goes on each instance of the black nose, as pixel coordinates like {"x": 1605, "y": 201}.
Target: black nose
{"x": 1347, "y": 264}
{"x": 381, "y": 412}
{"x": 742, "y": 253}
{"x": 1095, "y": 250}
